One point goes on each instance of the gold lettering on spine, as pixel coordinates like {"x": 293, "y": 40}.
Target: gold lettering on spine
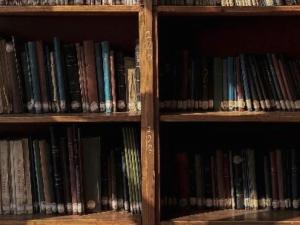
{"x": 149, "y": 145}
{"x": 148, "y": 45}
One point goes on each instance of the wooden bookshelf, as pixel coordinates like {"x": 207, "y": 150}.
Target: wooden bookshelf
{"x": 283, "y": 117}
{"x": 109, "y": 217}
{"x": 245, "y": 217}
{"x": 228, "y": 11}
{"x": 69, "y": 118}
{"x": 66, "y": 10}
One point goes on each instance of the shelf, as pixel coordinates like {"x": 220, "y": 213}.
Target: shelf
{"x": 68, "y": 118}
{"x": 69, "y": 10}
{"x": 239, "y": 217}
{"x": 228, "y": 11}
{"x": 102, "y": 218}
{"x": 232, "y": 117}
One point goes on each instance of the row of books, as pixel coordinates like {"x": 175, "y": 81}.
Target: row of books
{"x": 238, "y": 179}
{"x": 68, "y": 2}
{"x": 235, "y": 83}
{"x": 229, "y": 2}
{"x": 41, "y": 77}
{"x": 70, "y": 174}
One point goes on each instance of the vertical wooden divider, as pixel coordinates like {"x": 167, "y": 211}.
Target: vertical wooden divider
{"x": 149, "y": 115}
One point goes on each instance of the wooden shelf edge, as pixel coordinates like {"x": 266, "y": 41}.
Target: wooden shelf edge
{"x": 69, "y": 118}
{"x": 245, "y": 217}
{"x": 108, "y": 218}
{"x": 69, "y": 10}
{"x": 290, "y": 117}
{"x": 229, "y": 11}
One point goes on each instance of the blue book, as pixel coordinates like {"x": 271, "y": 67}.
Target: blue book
{"x": 34, "y": 76}
{"x": 60, "y": 75}
{"x": 246, "y": 83}
{"x": 106, "y": 72}
{"x": 225, "y": 85}
{"x": 231, "y": 83}
{"x": 100, "y": 80}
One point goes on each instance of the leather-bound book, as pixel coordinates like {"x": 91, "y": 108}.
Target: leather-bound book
{"x": 100, "y": 78}
{"x": 280, "y": 184}
{"x": 295, "y": 177}
{"x": 182, "y": 165}
{"x": 238, "y": 180}
{"x": 113, "y": 80}
{"x": 245, "y": 81}
{"x": 90, "y": 67}
{"x": 274, "y": 180}
{"x": 120, "y": 82}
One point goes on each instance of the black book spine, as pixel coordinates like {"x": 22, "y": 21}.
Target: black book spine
{"x": 58, "y": 181}
{"x": 268, "y": 185}
{"x": 295, "y": 178}
{"x": 71, "y": 69}
{"x": 32, "y": 177}
{"x": 121, "y": 84}
{"x": 125, "y": 183}
{"x": 65, "y": 175}
{"x": 238, "y": 180}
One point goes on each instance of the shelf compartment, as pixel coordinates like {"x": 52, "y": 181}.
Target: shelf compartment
{"x": 229, "y": 11}
{"x": 69, "y": 118}
{"x": 290, "y": 117}
{"x": 109, "y": 217}
{"x": 69, "y": 10}
{"x": 245, "y": 217}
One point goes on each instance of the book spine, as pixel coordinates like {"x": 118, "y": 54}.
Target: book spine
{"x": 246, "y": 83}
{"x": 42, "y": 76}
{"x": 4, "y": 167}
{"x": 295, "y": 178}
{"x": 28, "y": 191}
{"x": 72, "y": 173}
{"x": 72, "y": 72}
{"x": 100, "y": 80}
{"x": 113, "y": 80}
{"x": 107, "y": 77}
{"x": 121, "y": 82}
{"x": 60, "y": 75}
{"x": 35, "y": 76}
{"x": 138, "y": 77}
{"x": 90, "y": 67}
{"x": 65, "y": 175}
{"x": 58, "y": 185}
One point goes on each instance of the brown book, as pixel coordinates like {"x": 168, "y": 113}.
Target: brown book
{"x": 220, "y": 178}
{"x": 113, "y": 80}
{"x": 280, "y": 178}
{"x": 280, "y": 81}
{"x": 42, "y": 75}
{"x": 287, "y": 86}
{"x": 274, "y": 180}
{"x": 46, "y": 175}
{"x": 90, "y": 67}
{"x": 72, "y": 173}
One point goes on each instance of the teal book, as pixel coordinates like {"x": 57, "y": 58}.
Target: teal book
{"x": 107, "y": 77}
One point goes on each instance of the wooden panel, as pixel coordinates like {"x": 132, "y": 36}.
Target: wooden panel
{"x": 68, "y": 118}
{"x": 289, "y": 117}
{"x": 224, "y": 36}
{"x": 229, "y": 11}
{"x": 91, "y": 219}
{"x": 120, "y": 31}
{"x": 69, "y": 10}
{"x": 149, "y": 116}
{"x": 245, "y": 217}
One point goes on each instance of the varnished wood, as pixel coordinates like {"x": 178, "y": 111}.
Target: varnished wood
{"x": 103, "y": 218}
{"x": 286, "y": 117}
{"x": 149, "y": 116}
{"x": 229, "y": 11}
{"x": 69, "y": 118}
{"x": 69, "y": 10}
{"x": 245, "y": 217}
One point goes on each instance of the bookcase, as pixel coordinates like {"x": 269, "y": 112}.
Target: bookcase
{"x": 155, "y": 25}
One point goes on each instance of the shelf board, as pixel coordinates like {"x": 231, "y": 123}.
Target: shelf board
{"x": 109, "y": 217}
{"x": 232, "y": 117}
{"x": 69, "y": 118}
{"x": 229, "y": 11}
{"x": 245, "y": 217}
{"x": 69, "y": 10}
